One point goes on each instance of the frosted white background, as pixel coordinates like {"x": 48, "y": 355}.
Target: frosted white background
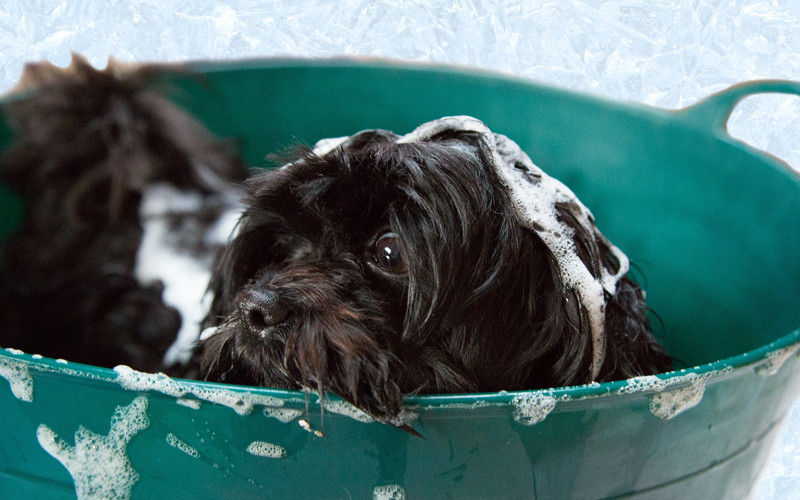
{"x": 668, "y": 53}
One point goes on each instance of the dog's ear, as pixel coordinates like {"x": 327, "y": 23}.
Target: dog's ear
{"x": 631, "y": 348}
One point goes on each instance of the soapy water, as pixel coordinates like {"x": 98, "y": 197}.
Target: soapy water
{"x": 669, "y": 401}
{"x": 194, "y": 404}
{"x": 99, "y": 465}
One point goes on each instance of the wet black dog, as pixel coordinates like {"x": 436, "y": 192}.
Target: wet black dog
{"x": 96, "y": 158}
{"x": 371, "y": 267}
{"x": 443, "y": 261}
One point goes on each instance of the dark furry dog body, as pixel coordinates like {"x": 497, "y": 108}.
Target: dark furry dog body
{"x": 380, "y": 265}
{"x": 373, "y": 266}
{"x": 95, "y": 152}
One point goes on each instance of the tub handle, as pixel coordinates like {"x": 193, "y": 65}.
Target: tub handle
{"x": 713, "y": 111}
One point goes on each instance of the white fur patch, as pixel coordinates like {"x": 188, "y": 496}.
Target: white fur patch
{"x": 185, "y": 276}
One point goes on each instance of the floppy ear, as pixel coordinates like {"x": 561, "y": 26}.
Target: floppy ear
{"x": 551, "y": 325}
{"x": 631, "y": 349}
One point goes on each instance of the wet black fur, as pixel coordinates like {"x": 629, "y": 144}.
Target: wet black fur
{"x": 481, "y": 308}
{"x": 87, "y": 143}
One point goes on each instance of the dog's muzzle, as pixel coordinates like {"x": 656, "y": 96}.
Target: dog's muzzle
{"x": 261, "y": 312}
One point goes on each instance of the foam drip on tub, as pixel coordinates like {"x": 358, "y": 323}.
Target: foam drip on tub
{"x": 268, "y": 450}
{"x": 19, "y": 378}
{"x": 241, "y": 402}
{"x": 99, "y": 465}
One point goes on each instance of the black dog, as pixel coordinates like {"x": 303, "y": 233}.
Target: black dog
{"x": 373, "y": 266}
{"x": 100, "y": 158}
{"x": 443, "y": 261}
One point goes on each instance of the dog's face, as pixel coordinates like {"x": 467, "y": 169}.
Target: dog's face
{"x": 382, "y": 268}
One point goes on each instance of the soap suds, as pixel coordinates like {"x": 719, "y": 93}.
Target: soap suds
{"x": 668, "y": 404}
{"x": 653, "y": 383}
{"x": 470, "y": 406}
{"x": 643, "y": 383}
{"x": 177, "y": 443}
{"x": 194, "y": 404}
{"x": 348, "y": 410}
{"x": 390, "y": 492}
{"x": 532, "y": 408}
{"x": 775, "y": 360}
{"x": 208, "y": 333}
{"x": 19, "y": 378}
{"x": 285, "y": 415}
{"x": 14, "y": 351}
{"x": 269, "y": 450}
{"x": 325, "y": 146}
{"x": 63, "y": 370}
{"x": 241, "y": 402}
{"x": 99, "y": 465}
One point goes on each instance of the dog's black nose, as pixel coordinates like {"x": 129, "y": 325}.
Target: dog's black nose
{"x": 260, "y": 310}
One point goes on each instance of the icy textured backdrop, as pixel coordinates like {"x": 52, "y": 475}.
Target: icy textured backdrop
{"x": 668, "y": 53}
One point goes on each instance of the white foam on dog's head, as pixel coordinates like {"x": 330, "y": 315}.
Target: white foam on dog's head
{"x": 535, "y": 196}
{"x": 99, "y": 465}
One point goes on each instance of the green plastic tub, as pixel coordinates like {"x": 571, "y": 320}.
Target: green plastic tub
{"x": 713, "y": 224}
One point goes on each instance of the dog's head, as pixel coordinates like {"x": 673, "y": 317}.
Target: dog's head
{"x": 378, "y": 265}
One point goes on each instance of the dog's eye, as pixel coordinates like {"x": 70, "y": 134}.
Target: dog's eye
{"x": 388, "y": 254}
